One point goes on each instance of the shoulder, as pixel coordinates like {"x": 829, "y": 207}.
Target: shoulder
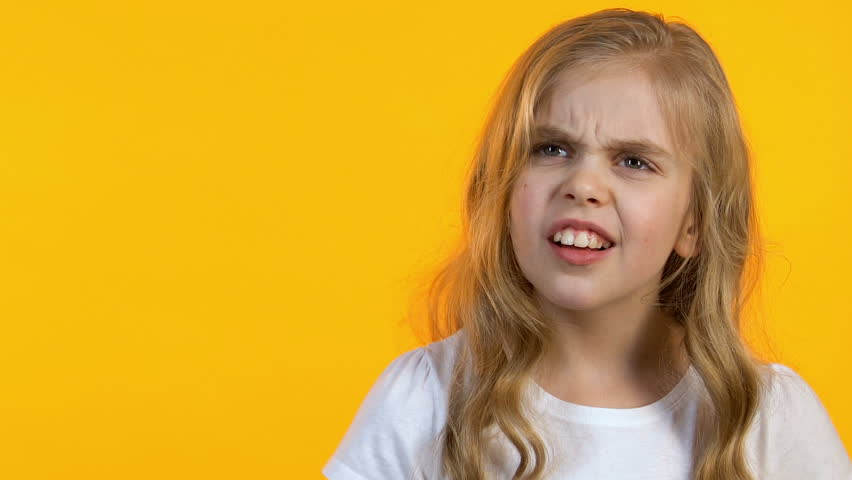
{"x": 788, "y": 395}
{"x": 394, "y": 430}
{"x": 793, "y": 435}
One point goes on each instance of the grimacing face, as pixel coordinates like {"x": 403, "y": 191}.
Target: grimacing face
{"x": 639, "y": 198}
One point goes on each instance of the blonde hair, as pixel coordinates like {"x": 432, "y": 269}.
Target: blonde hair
{"x": 480, "y": 287}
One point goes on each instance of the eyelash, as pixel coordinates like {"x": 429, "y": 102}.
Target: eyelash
{"x": 648, "y": 164}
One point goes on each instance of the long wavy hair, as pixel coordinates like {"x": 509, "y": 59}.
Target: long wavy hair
{"x": 480, "y": 286}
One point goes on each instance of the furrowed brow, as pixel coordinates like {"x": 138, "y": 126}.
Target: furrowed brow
{"x": 640, "y": 145}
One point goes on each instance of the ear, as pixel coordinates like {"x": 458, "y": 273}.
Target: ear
{"x": 686, "y": 244}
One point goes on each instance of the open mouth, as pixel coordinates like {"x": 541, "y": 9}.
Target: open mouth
{"x": 572, "y": 247}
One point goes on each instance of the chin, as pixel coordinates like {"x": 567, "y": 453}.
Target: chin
{"x": 572, "y": 299}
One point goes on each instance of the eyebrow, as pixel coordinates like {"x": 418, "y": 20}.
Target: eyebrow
{"x": 638, "y": 145}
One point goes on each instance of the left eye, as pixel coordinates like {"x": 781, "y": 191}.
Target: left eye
{"x": 640, "y": 163}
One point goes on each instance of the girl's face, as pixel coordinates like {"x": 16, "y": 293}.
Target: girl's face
{"x": 639, "y": 197}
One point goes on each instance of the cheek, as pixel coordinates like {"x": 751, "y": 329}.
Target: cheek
{"x": 652, "y": 225}
{"x": 525, "y": 210}
{"x": 516, "y": 211}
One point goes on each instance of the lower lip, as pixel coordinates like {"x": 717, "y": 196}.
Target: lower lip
{"x": 580, "y": 256}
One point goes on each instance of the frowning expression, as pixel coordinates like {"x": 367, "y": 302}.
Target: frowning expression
{"x": 602, "y": 153}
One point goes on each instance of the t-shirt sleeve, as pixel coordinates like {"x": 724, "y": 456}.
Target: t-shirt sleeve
{"x": 391, "y": 434}
{"x": 799, "y": 440}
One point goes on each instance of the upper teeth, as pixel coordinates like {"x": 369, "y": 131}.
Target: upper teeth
{"x": 580, "y": 238}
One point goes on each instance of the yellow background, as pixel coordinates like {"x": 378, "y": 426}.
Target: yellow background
{"x": 213, "y": 213}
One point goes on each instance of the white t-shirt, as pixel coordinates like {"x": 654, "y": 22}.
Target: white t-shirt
{"x": 394, "y": 435}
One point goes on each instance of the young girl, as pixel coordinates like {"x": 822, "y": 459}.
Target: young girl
{"x": 588, "y": 327}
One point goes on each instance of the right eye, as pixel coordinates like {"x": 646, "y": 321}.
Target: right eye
{"x": 547, "y": 148}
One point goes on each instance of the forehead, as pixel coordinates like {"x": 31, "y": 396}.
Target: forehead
{"x": 606, "y": 107}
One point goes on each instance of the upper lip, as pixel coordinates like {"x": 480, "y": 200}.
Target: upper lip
{"x": 578, "y": 224}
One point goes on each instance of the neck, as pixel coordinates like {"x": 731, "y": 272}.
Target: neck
{"x": 617, "y": 346}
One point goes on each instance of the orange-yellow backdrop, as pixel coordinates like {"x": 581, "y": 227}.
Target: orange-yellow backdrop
{"x": 213, "y": 212}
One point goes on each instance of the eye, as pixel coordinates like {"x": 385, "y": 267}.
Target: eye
{"x": 548, "y": 147}
{"x": 639, "y": 163}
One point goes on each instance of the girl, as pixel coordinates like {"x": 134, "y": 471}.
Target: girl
{"x": 588, "y": 326}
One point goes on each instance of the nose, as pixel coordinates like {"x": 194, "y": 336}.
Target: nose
{"x": 587, "y": 183}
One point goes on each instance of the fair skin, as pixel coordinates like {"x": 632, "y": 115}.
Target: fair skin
{"x": 609, "y": 341}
